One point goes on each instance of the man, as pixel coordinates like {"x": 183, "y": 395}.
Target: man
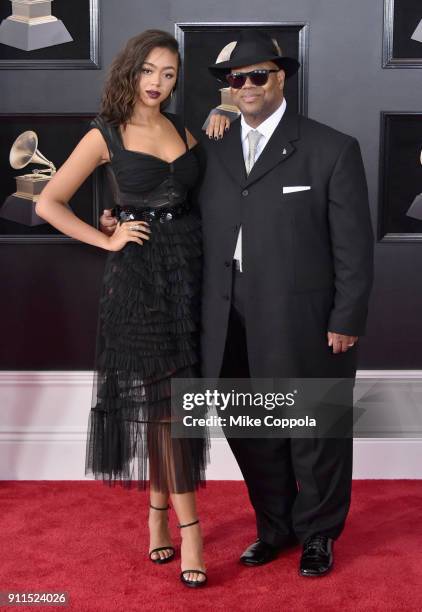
{"x": 287, "y": 198}
{"x": 287, "y": 273}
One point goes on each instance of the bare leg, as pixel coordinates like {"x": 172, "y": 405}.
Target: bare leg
{"x": 159, "y": 497}
{"x": 158, "y": 525}
{"x": 170, "y": 472}
{"x": 191, "y": 551}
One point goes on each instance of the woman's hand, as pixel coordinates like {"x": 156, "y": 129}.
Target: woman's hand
{"x": 217, "y": 125}
{"x": 128, "y": 231}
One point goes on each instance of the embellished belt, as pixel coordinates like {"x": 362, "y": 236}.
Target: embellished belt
{"x": 165, "y": 214}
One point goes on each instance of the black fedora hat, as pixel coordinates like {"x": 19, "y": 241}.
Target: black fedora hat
{"x": 253, "y": 47}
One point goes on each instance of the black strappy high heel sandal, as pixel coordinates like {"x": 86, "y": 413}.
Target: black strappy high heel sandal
{"x": 158, "y": 559}
{"x": 192, "y": 583}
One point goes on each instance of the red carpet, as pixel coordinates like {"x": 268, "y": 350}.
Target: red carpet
{"x": 91, "y": 541}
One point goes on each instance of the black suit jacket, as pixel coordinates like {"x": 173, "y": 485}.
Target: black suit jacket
{"x": 307, "y": 256}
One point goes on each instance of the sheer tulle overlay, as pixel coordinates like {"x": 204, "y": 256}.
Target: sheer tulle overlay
{"x": 148, "y": 333}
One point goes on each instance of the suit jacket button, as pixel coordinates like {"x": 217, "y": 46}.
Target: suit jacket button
{"x": 227, "y": 264}
{"x": 245, "y": 192}
{"x": 226, "y": 297}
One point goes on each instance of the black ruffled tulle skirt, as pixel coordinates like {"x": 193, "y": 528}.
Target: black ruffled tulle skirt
{"x": 148, "y": 333}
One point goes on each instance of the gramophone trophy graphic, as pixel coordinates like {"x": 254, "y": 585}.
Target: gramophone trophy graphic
{"x": 226, "y": 107}
{"x": 20, "y": 206}
{"x": 32, "y": 26}
{"x": 415, "y": 210}
{"x": 417, "y": 34}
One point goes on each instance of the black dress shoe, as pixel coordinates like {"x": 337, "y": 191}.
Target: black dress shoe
{"x": 259, "y": 553}
{"x": 317, "y": 557}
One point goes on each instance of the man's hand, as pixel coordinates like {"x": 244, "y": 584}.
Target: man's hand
{"x": 107, "y": 222}
{"x": 340, "y": 342}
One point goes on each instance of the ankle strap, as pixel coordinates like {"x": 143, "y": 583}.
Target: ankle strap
{"x": 189, "y": 524}
{"x": 156, "y": 507}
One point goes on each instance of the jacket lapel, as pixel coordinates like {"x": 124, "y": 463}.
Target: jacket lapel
{"x": 277, "y": 150}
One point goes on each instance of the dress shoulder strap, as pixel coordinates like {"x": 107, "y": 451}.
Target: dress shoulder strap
{"x": 108, "y": 131}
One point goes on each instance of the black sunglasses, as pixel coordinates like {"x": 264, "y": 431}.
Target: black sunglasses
{"x": 257, "y": 77}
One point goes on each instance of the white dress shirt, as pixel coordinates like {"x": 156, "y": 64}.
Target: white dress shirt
{"x": 266, "y": 128}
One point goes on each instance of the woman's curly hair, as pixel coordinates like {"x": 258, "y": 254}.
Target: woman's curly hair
{"x": 121, "y": 87}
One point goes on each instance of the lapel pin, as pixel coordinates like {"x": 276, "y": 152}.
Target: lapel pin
{"x": 284, "y": 151}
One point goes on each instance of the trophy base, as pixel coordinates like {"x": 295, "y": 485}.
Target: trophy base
{"x": 20, "y": 210}
{"x": 415, "y": 210}
{"x": 31, "y": 37}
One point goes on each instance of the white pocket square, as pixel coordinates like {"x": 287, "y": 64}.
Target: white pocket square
{"x": 296, "y": 188}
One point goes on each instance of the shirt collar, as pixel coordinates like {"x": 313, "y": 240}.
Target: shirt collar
{"x": 267, "y": 127}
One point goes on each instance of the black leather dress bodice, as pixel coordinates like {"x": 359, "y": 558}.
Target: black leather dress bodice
{"x": 143, "y": 182}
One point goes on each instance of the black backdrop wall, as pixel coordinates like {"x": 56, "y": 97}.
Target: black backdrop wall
{"x": 49, "y": 292}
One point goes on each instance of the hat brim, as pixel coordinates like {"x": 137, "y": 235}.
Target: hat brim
{"x": 288, "y": 64}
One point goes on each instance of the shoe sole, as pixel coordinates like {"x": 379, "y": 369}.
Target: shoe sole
{"x": 195, "y": 585}
{"x": 316, "y": 575}
{"x": 257, "y": 564}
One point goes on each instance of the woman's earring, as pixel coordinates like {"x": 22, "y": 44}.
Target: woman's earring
{"x": 171, "y": 95}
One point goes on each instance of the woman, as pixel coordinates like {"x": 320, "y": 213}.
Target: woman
{"x": 149, "y": 307}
